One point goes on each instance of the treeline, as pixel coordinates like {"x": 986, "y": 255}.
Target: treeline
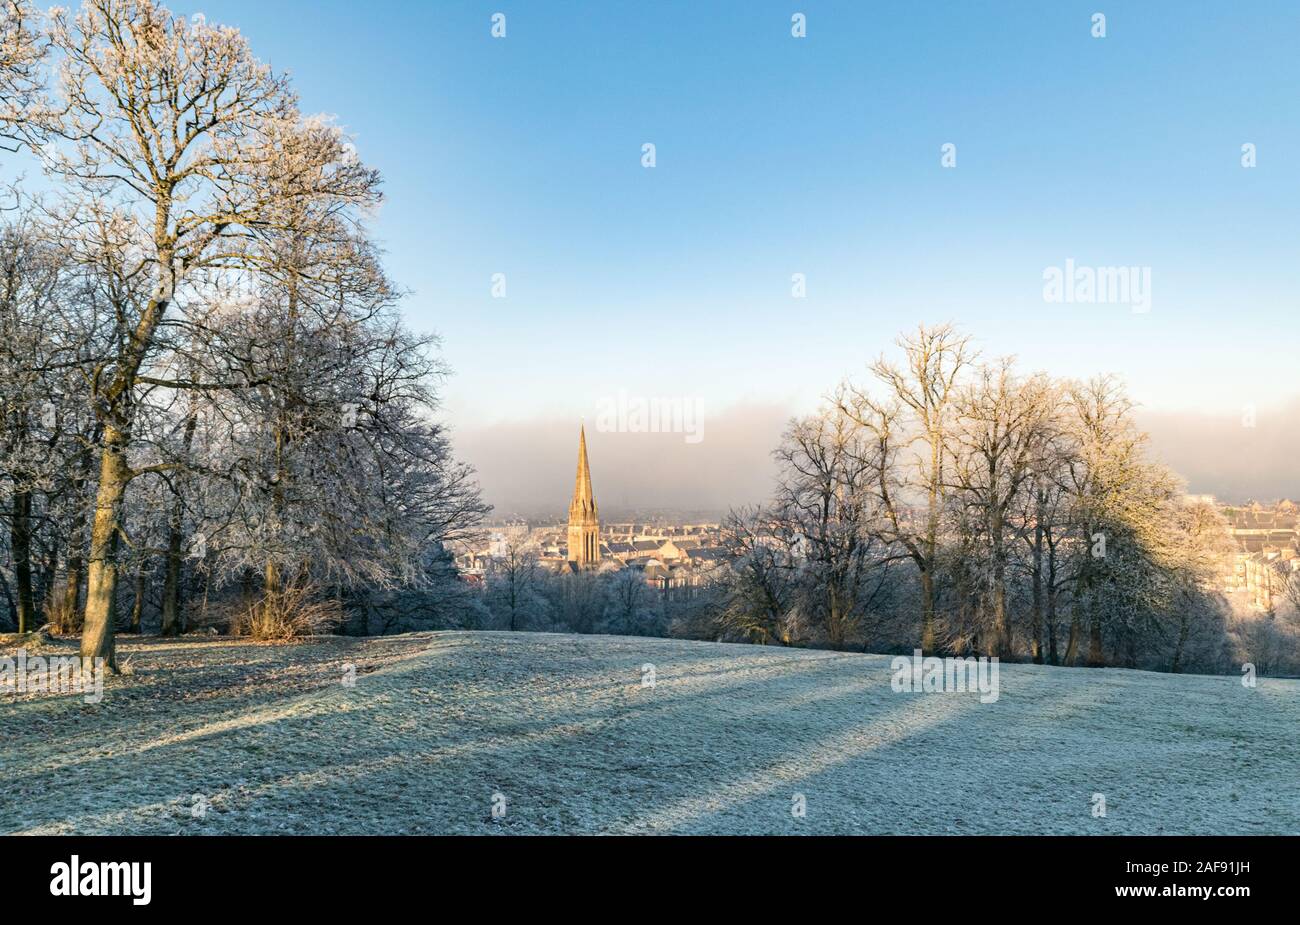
{"x": 211, "y": 409}
{"x": 519, "y": 594}
{"x": 959, "y": 506}
{"x": 963, "y": 506}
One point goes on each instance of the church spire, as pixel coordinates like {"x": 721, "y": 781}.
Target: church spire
{"x": 582, "y": 494}
{"x": 584, "y": 523}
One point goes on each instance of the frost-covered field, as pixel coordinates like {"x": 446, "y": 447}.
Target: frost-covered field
{"x": 220, "y": 736}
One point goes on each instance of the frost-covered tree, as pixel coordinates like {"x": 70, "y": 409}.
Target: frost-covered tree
{"x": 826, "y": 498}
{"x": 251, "y": 402}
{"x": 48, "y": 347}
{"x": 908, "y": 414}
{"x": 194, "y": 145}
{"x": 1043, "y": 529}
{"x": 761, "y": 579}
{"x": 1003, "y": 424}
{"x": 514, "y": 581}
{"x": 1046, "y": 508}
{"x": 21, "y": 53}
{"x": 29, "y": 288}
{"x": 1120, "y": 507}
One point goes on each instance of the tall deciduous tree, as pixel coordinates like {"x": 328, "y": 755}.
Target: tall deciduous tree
{"x": 910, "y": 422}
{"x": 200, "y": 145}
{"x": 826, "y": 499}
{"x": 1004, "y": 423}
{"x": 21, "y": 53}
{"x": 760, "y": 583}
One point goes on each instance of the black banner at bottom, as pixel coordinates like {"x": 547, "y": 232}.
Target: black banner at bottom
{"x": 334, "y": 874}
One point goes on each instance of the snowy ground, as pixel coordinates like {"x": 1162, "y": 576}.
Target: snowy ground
{"x": 220, "y": 736}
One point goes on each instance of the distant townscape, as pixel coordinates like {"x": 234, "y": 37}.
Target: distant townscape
{"x": 1257, "y": 574}
{"x": 1266, "y": 556}
{"x": 1255, "y": 565}
{"x": 667, "y": 555}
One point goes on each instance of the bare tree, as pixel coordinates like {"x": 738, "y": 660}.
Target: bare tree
{"x": 200, "y": 145}
{"x": 1124, "y": 553}
{"x": 762, "y": 576}
{"x": 513, "y": 581}
{"x": 1004, "y": 425}
{"x": 1042, "y": 521}
{"x": 21, "y": 54}
{"x": 910, "y": 426}
{"x": 827, "y": 500}
{"x": 35, "y": 356}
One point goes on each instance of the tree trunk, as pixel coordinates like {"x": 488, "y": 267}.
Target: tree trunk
{"x": 45, "y": 585}
{"x": 1095, "y": 659}
{"x": 1052, "y": 592}
{"x": 137, "y": 603}
{"x": 1052, "y": 658}
{"x": 1001, "y": 641}
{"x": 1072, "y": 646}
{"x": 9, "y": 599}
{"x": 102, "y": 576}
{"x": 114, "y": 472}
{"x": 172, "y": 622}
{"x": 1036, "y": 612}
{"x": 171, "y": 601}
{"x": 75, "y": 572}
{"x": 927, "y": 612}
{"x": 1183, "y": 628}
{"x": 20, "y": 539}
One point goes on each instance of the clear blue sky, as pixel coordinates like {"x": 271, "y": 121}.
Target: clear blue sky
{"x": 819, "y": 155}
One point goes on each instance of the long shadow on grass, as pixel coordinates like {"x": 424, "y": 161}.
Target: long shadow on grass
{"x": 724, "y": 757}
{"x": 481, "y": 728}
{"x": 650, "y": 748}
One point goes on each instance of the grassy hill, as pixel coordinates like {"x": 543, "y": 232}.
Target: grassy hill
{"x": 224, "y": 736}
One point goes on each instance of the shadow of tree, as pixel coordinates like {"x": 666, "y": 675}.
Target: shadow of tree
{"x": 722, "y": 742}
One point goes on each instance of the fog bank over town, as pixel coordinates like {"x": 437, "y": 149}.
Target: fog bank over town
{"x": 526, "y": 467}
{"x": 732, "y": 465}
{"x": 1226, "y": 456}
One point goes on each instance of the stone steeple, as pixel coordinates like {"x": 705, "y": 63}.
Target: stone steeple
{"x": 584, "y": 523}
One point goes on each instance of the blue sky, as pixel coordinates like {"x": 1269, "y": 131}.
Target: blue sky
{"x": 819, "y": 156}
